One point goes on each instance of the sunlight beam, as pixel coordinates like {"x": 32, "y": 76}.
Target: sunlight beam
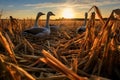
{"x": 68, "y": 13}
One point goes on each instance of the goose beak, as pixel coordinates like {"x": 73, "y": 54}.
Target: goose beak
{"x": 43, "y": 14}
{"x": 53, "y": 14}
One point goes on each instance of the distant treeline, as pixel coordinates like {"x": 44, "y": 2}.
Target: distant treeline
{"x": 77, "y": 19}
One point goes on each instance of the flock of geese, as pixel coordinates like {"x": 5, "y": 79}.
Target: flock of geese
{"x": 38, "y": 31}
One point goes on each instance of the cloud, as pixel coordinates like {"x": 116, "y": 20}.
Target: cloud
{"x": 106, "y": 2}
{"x": 89, "y": 3}
{"x": 74, "y": 3}
{"x": 10, "y": 5}
{"x": 46, "y": 5}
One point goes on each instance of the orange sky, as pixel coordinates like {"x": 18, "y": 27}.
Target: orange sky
{"x": 30, "y": 8}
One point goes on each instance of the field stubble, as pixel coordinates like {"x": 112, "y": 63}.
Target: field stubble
{"x": 90, "y": 55}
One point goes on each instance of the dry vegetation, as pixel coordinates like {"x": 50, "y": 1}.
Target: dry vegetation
{"x": 64, "y": 54}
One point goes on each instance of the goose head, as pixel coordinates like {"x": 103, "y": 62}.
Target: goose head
{"x": 40, "y": 14}
{"x": 50, "y": 14}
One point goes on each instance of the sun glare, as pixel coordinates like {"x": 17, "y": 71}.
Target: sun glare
{"x": 68, "y": 13}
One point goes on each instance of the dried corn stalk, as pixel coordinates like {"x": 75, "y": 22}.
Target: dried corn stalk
{"x": 53, "y": 62}
{"x": 104, "y": 46}
{"x": 7, "y": 47}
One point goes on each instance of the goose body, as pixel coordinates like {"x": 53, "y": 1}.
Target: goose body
{"x": 54, "y": 28}
{"x": 82, "y": 29}
{"x": 41, "y": 31}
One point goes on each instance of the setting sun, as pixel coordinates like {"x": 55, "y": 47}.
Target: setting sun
{"x": 68, "y": 13}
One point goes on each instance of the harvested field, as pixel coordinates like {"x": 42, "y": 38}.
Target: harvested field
{"x": 64, "y": 55}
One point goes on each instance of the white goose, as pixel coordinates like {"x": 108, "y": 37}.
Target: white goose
{"x": 82, "y": 29}
{"x": 35, "y": 24}
{"x": 41, "y": 31}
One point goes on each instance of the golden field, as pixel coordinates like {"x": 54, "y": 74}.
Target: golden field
{"x": 65, "y": 54}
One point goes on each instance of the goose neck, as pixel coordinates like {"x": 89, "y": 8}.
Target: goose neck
{"x": 85, "y": 19}
{"x": 36, "y": 21}
{"x": 47, "y": 21}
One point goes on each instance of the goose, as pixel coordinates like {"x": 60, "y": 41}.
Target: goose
{"x": 41, "y": 31}
{"x": 25, "y": 32}
{"x": 82, "y": 29}
{"x": 36, "y": 21}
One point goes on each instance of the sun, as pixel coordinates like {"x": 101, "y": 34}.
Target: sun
{"x": 68, "y": 13}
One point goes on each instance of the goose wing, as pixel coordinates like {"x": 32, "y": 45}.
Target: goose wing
{"x": 35, "y": 31}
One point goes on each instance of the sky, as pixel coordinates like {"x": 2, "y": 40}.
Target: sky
{"x": 29, "y": 8}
